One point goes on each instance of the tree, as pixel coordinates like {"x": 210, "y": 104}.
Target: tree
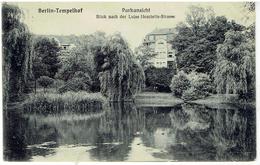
{"x": 81, "y": 59}
{"x": 121, "y": 77}
{"x": 16, "y": 52}
{"x": 143, "y": 55}
{"x": 199, "y": 17}
{"x": 46, "y": 51}
{"x": 235, "y": 69}
{"x": 45, "y": 81}
{"x": 159, "y": 78}
{"x": 45, "y": 58}
{"x": 80, "y": 81}
{"x": 196, "y": 42}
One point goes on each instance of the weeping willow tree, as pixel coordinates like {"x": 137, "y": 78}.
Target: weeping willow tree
{"x": 235, "y": 68}
{"x": 121, "y": 77}
{"x": 16, "y": 52}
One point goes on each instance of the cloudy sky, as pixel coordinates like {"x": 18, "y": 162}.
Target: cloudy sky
{"x": 133, "y": 30}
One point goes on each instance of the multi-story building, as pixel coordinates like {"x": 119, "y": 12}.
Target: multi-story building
{"x": 159, "y": 41}
{"x": 67, "y": 47}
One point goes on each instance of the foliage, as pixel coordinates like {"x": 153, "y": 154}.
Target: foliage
{"x": 180, "y": 83}
{"x": 143, "y": 55}
{"x": 196, "y": 42}
{"x": 67, "y": 101}
{"x": 250, "y": 6}
{"x": 235, "y": 69}
{"x": 16, "y": 52}
{"x": 45, "y": 81}
{"x": 191, "y": 94}
{"x": 80, "y": 81}
{"x": 121, "y": 77}
{"x": 158, "y": 78}
{"x": 191, "y": 86}
{"x": 199, "y": 17}
{"x": 82, "y": 60}
{"x": 46, "y": 61}
{"x": 201, "y": 82}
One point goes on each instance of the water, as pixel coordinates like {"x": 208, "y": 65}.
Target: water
{"x": 123, "y": 132}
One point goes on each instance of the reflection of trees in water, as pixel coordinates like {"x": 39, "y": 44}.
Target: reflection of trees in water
{"x": 233, "y": 134}
{"x": 110, "y": 132}
{"x": 184, "y": 132}
{"x": 157, "y": 124}
{"x": 116, "y": 131}
{"x": 191, "y": 124}
{"x": 213, "y": 134}
{"x": 14, "y": 137}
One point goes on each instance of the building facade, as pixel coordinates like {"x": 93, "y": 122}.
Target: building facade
{"x": 159, "y": 41}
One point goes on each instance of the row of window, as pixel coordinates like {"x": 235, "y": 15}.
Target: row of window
{"x": 159, "y": 63}
{"x": 156, "y": 37}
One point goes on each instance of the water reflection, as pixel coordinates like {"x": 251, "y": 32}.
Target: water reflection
{"x": 122, "y": 132}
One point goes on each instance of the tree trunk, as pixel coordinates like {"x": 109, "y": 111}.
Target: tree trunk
{"x": 35, "y": 85}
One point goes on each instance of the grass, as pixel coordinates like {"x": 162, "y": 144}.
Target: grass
{"x": 156, "y": 99}
{"x": 219, "y": 100}
{"x": 167, "y": 99}
{"x": 69, "y": 101}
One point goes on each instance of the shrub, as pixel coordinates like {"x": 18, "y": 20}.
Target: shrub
{"x": 45, "y": 81}
{"x": 192, "y": 86}
{"x": 201, "y": 82}
{"x": 79, "y": 82}
{"x": 180, "y": 83}
{"x": 191, "y": 94}
{"x": 68, "y": 101}
{"x": 159, "y": 78}
{"x": 74, "y": 85}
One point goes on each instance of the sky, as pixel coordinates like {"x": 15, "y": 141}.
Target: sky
{"x": 133, "y": 30}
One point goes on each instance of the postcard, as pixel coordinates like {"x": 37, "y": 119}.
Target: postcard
{"x": 129, "y": 81}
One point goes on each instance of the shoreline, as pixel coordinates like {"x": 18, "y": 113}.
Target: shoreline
{"x": 167, "y": 99}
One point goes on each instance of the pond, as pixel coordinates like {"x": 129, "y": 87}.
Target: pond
{"x": 124, "y": 132}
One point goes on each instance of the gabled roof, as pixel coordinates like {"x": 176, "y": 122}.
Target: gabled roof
{"x": 162, "y": 31}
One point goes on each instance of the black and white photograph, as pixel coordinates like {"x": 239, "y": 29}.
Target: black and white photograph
{"x": 129, "y": 82}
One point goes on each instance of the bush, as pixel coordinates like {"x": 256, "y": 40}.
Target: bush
{"x": 191, "y": 94}
{"x": 192, "y": 86}
{"x": 201, "y": 82}
{"x": 79, "y": 82}
{"x": 159, "y": 79}
{"x": 180, "y": 83}
{"x": 45, "y": 81}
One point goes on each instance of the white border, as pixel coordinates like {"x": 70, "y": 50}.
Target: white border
{"x": 256, "y": 162}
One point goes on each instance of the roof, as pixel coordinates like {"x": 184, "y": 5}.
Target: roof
{"x": 163, "y": 31}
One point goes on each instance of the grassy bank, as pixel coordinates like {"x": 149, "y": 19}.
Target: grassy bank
{"x": 167, "y": 99}
{"x": 69, "y": 101}
{"x": 156, "y": 99}
{"x": 218, "y": 100}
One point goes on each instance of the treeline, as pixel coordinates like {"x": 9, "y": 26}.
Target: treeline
{"x": 17, "y": 55}
{"x": 221, "y": 53}
{"x": 99, "y": 63}
{"x": 213, "y": 55}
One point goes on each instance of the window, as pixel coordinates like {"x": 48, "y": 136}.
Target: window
{"x": 170, "y": 55}
{"x": 151, "y": 37}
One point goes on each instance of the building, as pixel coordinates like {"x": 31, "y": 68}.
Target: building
{"x": 159, "y": 41}
{"x": 66, "y": 50}
{"x": 67, "y": 47}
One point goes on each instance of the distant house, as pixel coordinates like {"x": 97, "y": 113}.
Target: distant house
{"x": 159, "y": 41}
{"x": 67, "y": 46}
{"x": 65, "y": 50}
